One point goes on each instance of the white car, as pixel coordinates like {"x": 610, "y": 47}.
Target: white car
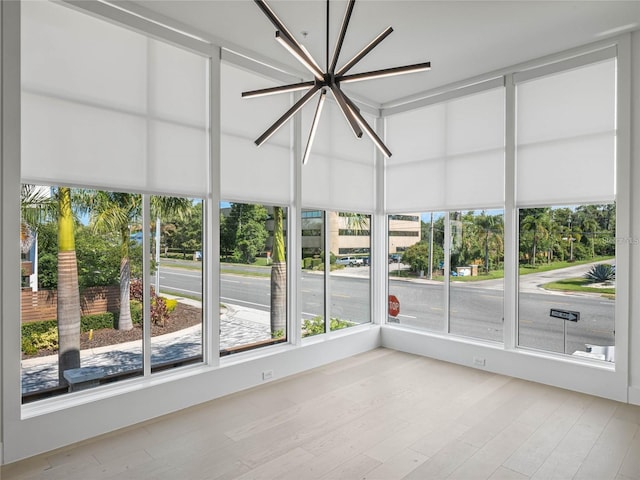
{"x": 350, "y": 261}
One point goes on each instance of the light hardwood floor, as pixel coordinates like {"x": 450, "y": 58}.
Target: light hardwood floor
{"x": 379, "y": 415}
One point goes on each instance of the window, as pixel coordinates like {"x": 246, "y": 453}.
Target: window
{"x": 313, "y": 276}
{"x": 566, "y": 130}
{"x": 83, "y": 317}
{"x": 123, "y": 118}
{"x": 339, "y": 296}
{"x": 253, "y": 276}
{"x": 570, "y": 309}
{"x": 350, "y": 287}
{"x": 477, "y": 274}
{"x": 176, "y": 283}
{"x": 421, "y": 260}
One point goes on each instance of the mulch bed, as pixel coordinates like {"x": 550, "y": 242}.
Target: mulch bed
{"x": 182, "y": 317}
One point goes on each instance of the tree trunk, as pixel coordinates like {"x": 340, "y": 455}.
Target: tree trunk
{"x": 278, "y": 276}
{"x": 486, "y": 253}
{"x": 124, "y": 320}
{"x": 68, "y": 311}
{"x": 279, "y": 298}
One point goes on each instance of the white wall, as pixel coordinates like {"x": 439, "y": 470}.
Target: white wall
{"x": 634, "y": 313}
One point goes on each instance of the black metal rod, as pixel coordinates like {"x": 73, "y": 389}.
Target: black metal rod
{"x": 376, "y": 139}
{"x": 385, "y": 72}
{"x": 293, "y": 87}
{"x": 373, "y": 44}
{"x": 287, "y": 115}
{"x": 344, "y": 106}
{"x": 297, "y": 51}
{"x": 327, "y": 40}
{"x": 343, "y": 32}
{"x": 270, "y": 14}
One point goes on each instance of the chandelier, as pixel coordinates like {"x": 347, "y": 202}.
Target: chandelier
{"x": 331, "y": 79}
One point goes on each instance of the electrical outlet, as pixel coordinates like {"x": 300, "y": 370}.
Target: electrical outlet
{"x": 267, "y": 375}
{"x": 479, "y": 361}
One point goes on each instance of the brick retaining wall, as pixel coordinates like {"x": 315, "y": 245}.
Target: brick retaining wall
{"x": 42, "y": 305}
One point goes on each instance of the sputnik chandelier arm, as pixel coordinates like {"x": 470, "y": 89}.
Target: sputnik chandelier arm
{"x": 329, "y": 80}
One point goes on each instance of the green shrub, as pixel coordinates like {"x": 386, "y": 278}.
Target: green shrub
{"x": 27, "y": 347}
{"x": 34, "y": 328}
{"x": 600, "y": 273}
{"x": 315, "y": 326}
{"x": 307, "y": 262}
{"x": 43, "y": 335}
{"x": 40, "y": 340}
{"x": 171, "y": 303}
{"x": 136, "y": 312}
{"x": 316, "y": 262}
{"x": 97, "y": 321}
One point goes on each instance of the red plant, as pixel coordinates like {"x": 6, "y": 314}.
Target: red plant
{"x": 159, "y": 311}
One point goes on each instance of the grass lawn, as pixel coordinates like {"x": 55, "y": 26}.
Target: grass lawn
{"x": 578, "y": 285}
{"x": 545, "y": 267}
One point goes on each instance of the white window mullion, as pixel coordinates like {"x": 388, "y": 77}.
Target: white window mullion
{"x": 146, "y": 282}
{"x": 447, "y": 270}
{"x": 211, "y": 240}
{"x": 510, "y": 304}
{"x": 294, "y": 237}
{"x": 327, "y": 272}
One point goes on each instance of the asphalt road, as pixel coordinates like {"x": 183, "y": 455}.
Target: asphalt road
{"x": 475, "y": 311}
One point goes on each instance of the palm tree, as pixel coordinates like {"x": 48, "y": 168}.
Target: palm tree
{"x": 116, "y": 212}
{"x": 536, "y": 220}
{"x": 68, "y": 289}
{"x": 491, "y": 226}
{"x": 278, "y": 275}
{"x": 37, "y": 205}
{"x": 590, "y": 226}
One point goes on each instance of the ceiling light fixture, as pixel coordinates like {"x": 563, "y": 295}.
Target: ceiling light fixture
{"x": 328, "y": 80}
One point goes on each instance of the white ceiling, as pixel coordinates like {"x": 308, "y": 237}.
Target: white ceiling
{"x": 461, "y": 39}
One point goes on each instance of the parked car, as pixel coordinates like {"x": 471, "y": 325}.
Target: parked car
{"x": 350, "y": 261}
{"x": 395, "y": 258}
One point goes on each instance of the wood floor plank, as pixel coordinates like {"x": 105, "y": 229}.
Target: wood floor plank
{"x": 397, "y": 466}
{"x": 605, "y": 458}
{"x": 534, "y": 452}
{"x": 630, "y": 467}
{"x": 380, "y": 415}
{"x": 493, "y": 454}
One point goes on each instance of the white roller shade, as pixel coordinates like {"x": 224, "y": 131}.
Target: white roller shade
{"x": 106, "y": 107}
{"x": 566, "y": 137}
{"x": 448, "y": 155}
{"x": 339, "y": 174}
{"x": 249, "y": 172}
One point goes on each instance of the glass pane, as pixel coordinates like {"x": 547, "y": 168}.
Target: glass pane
{"x": 350, "y": 242}
{"x": 416, "y": 269}
{"x": 176, "y": 281}
{"x": 567, "y": 280}
{"x": 253, "y": 276}
{"x": 477, "y": 274}
{"x": 81, "y": 307}
{"x": 313, "y": 273}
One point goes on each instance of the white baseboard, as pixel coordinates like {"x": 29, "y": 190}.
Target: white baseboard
{"x": 634, "y": 395}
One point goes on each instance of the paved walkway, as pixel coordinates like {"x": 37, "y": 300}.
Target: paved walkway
{"x": 239, "y": 326}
